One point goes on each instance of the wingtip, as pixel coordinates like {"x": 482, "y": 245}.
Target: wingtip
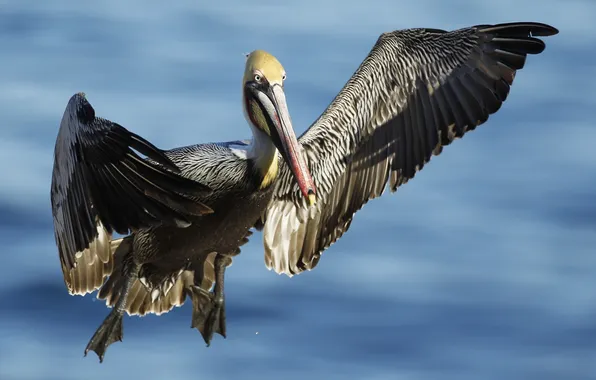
{"x": 549, "y": 30}
{"x": 78, "y": 96}
{"x": 543, "y": 30}
{"x": 84, "y": 111}
{"x": 553, "y": 31}
{"x": 534, "y": 29}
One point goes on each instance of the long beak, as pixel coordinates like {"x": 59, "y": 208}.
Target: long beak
{"x": 285, "y": 140}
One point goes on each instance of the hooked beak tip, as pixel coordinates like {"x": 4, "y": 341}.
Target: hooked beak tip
{"x": 312, "y": 198}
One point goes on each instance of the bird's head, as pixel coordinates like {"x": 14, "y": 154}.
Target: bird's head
{"x": 265, "y": 107}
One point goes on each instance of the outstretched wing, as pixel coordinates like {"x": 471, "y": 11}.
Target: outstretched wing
{"x": 100, "y": 185}
{"x": 417, "y": 91}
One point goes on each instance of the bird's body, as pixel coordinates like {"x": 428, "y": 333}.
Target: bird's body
{"x": 416, "y": 92}
{"x": 175, "y": 262}
{"x": 238, "y": 196}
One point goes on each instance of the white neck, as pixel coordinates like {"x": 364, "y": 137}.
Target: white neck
{"x": 261, "y": 147}
{"x": 263, "y": 153}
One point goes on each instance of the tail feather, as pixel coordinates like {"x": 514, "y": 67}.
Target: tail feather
{"x": 140, "y": 301}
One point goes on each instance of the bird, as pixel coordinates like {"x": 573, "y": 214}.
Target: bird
{"x": 417, "y": 91}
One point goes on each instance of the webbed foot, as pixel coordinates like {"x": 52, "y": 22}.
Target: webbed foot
{"x": 209, "y": 313}
{"x": 109, "y": 332}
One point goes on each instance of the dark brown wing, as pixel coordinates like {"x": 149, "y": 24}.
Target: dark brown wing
{"x": 100, "y": 185}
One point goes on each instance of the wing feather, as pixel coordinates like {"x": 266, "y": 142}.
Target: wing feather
{"x": 100, "y": 185}
{"x": 417, "y": 91}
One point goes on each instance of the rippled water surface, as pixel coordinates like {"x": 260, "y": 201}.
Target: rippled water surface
{"x": 483, "y": 267}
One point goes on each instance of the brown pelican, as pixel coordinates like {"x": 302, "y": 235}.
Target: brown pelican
{"x": 416, "y": 91}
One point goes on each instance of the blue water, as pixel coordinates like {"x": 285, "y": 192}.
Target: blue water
{"x": 483, "y": 267}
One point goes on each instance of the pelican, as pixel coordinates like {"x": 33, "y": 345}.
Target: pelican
{"x": 186, "y": 212}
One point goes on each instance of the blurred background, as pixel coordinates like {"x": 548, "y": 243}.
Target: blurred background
{"x": 483, "y": 267}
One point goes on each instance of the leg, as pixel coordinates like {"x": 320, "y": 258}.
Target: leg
{"x": 209, "y": 312}
{"x": 110, "y": 330}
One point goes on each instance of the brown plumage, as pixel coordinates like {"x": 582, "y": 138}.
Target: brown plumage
{"x": 417, "y": 91}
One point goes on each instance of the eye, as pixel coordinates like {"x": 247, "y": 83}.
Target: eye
{"x": 258, "y": 78}
{"x": 283, "y": 77}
